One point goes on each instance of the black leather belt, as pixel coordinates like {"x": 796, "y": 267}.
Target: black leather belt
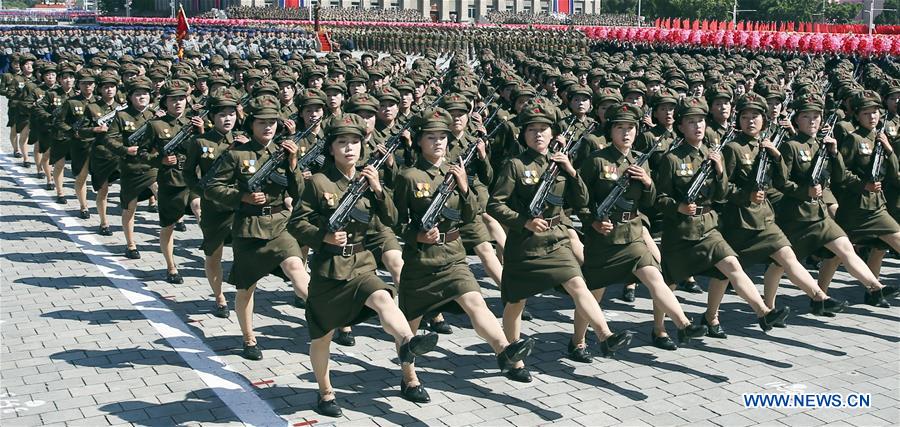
{"x": 623, "y": 216}
{"x": 345, "y": 250}
{"x": 554, "y": 221}
{"x": 447, "y": 237}
{"x": 254, "y": 210}
{"x": 702, "y": 210}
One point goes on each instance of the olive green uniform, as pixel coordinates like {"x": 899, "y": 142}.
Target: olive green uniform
{"x": 174, "y": 194}
{"x": 104, "y": 164}
{"x": 339, "y": 284}
{"x": 72, "y": 131}
{"x": 217, "y": 220}
{"x": 138, "y": 171}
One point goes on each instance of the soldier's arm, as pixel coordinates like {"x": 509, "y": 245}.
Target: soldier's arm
{"x": 387, "y": 211}
{"x": 401, "y": 200}
{"x": 648, "y": 195}
{"x": 589, "y": 173}
{"x": 733, "y": 194}
{"x": 499, "y": 205}
{"x": 665, "y": 196}
{"x": 192, "y": 165}
{"x": 849, "y": 180}
{"x": 222, "y": 189}
{"x": 306, "y": 224}
{"x": 62, "y": 121}
{"x": 576, "y": 192}
{"x": 781, "y": 176}
{"x": 41, "y": 112}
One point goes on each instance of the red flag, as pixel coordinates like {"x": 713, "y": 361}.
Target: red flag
{"x": 181, "y": 30}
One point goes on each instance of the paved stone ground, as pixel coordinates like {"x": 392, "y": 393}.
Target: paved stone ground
{"x": 90, "y": 338}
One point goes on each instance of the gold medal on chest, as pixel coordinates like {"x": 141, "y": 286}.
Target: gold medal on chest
{"x": 329, "y": 199}
{"x": 529, "y": 177}
{"x": 864, "y": 148}
{"x": 252, "y": 167}
{"x": 245, "y": 166}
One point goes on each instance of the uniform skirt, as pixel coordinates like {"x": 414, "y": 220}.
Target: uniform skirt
{"x": 382, "y": 241}
{"x": 337, "y": 303}
{"x": 756, "y": 246}
{"x": 135, "y": 184}
{"x": 531, "y": 275}
{"x": 174, "y": 203}
{"x": 474, "y": 233}
{"x": 431, "y": 290}
{"x": 809, "y": 238}
{"x": 103, "y": 170}
{"x": 864, "y": 227}
{"x": 44, "y": 144}
{"x": 257, "y": 258}
{"x": 216, "y": 227}
{"x": 685, "y": 258}
{"x": 611, "y": 264}
{"x": 80, "y": 153}
{"x": 59, "y": 150}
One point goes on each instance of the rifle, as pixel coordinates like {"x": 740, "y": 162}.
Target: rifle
{"x": 877, "y": 173}
{"x": 542, "y": 196}
{"x": 817, "y": 173}
{"x": 437, "y": 210}
{"x": 138, "y": 135}
{"x": 612, "y": 199}
{"x": 107, "y": 118}
{"x": 315, "y": 152}
{"x": 699, "y": 180}
{"x": 178, "y": 140}
{"x": 761, "y": 168}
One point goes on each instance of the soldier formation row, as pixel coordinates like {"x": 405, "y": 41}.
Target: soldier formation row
{"x": 556, "y": 170}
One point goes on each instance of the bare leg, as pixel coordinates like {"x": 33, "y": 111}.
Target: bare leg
{"x": 319, "y": 355}
{"x": 393, "y": 261}
{"x": 580, "y": 323}
{"x": 295, "y": 270}
{"x": 512, "y": 323}
{"x": 662, "y": 296}
{"x": 23, "y": 142}
{"x": 497, "y": 233}
{"x": 489, "y": 260}
{"x": 770, "y": 283}
{"x": 484, "y": 322}
{"x": 742, "y": 284}
{"x": 128, "y": 224}
{"x": 81, "y": 187}
{"x": 855, "y": 265}
{"x": 101, "y": 204}
{"x": 576, "y": 245}
{"x": 587, "y": 303}
{"x": 58, "y": 169}
{"x": 409, "y": 369}
{"x": 212, "y": 265}
{"x": 167, "y": 246}
{"x": 828, "y": 267}
{"x": 45, "y": 166}
{"x": 797, "y": 274}
{"x": 243, "y": 306}
{"x": 12, "y": 138}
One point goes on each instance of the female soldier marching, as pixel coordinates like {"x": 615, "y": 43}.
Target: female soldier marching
{"x": 538, "y": 254}
{"x": 260, "y": 241}
{"x": 138, "y": 180}
{"x": 344, "y": 289}
{"x": 615, "y": 248}
{"x": 435, "y": 274}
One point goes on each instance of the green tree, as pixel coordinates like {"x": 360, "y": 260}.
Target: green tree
{"x": 889, "y": 17}
{"x": 842, "y": 13}
{"x": 112, "y": 7}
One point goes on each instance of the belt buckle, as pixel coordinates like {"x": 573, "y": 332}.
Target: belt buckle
{"x": 266, "y": 210}
{"x": 442, "y": 238}
{"x": 347, "y": 251}
{"x": 626, "y": 216}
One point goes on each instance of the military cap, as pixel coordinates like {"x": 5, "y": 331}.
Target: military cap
{"x": 185, "y": 75}
{"x": 523, "y": 89}
{"x": 362, "y": 102}
{"x": 265, "y": 87}
{"x": 202, "y": 75}
{"x": 220, "y": 79}
{"x": 65, "y": 69}
{"x": 314, "y": 71}
{"x": 252, "y": 74}
{"x": 139, "y": 82}
{"x": 110, "y": 65}
{"x": 311, "y": 96}
{"x": 263, "y": 107}
{"x": 239, "y": 65}
{"x": 48, "y": 67}
{"x": 890, "y": 87}
{"x": 126, "y": 59}
{"x": 719, "y": 90}
{"x": 613, "y": 80}
{"x": 85, "y": 76}
{"x": 254, "y": 56}
{"x": 607, "y": 94}
{"x": 157, "y": 73}
{"x": 536, "y": 111}
{"x": 387, "y": 93}
{"x": 808, "y": 102}
{"x": 578, "y": 89}
{"x": 565, "y": 82}
{"x": 225, "y": 97}
{"x": 677, "y": 85}
{"x": 262, "y": 63}
{"x": 404, "y": 84}
{"x": 433, "y": 120}
{"x": 770, "y": 91}
{"x": 651, "y": 77}
{"x": 175, "y": 88}
{"x": 376, "y": 73}
{"x": 107, "y": 77}
{"x": 334, "y": 84}
{"x": 751, "y": 101}
{"x": 216, "y": 61}
{"x": 456, "y": 101}
{"x": 358, "y": 76}
{"x": 634, "y": 86}
{"x": 663, "y": 96}
{"x": 345, "y": 124}
{"x": 691, "y": 106}
{"x": 866, "y": 99}
{"x": 284, "y": 77}
{"x": 192, "y": 53}
{"x": 130, "y": 69}
{"x": 624, "y": 112}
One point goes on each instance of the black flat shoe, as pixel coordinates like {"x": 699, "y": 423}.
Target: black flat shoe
{"x": 514, "y": 352}
{"x": 251, "y": 352}
{"x": 579, "y": 354}
{"x": 713, "y": 331}
{"x": 179, "y": 226}
{"x": 441, "y": 327}
{"x": 526, "y": 315}
{"x": 153, "y": 208}
{"x": 628, "y": 295}
{"x": 48, "y": 186}
{"x": 415, "y": 393}
{"x": 84, "y": 214}
{"x": 890, "y": 291}
{"x": 26, "y": 164}
{"x": 777, "y": 315}
{"x": 174, "y": 278}
{"x": 299, "y": 302}
{"x": 691, "y": 331}
{"x": 105, "y": 231}
{"x": 826, "y": 307}
{"x": 17, "y": 155}
{"x": 328, "y": 408}
{"x": 38, "y": 175}
{"x": 876, "y": 299}
{"x": 60, "y": 200}
{"x": 132, "y": 253}
{"x": 417, "y": 346}
{"x": 520, "y": 375}
{"x": 221, "y": 311}
{"x": 615, "y": 343}
{"x": 690, "y": 287}
{"x": 665, "y": 343}
{"x": 344, "y": 338}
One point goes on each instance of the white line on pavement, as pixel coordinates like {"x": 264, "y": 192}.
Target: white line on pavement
{"x": 234, "y": 390}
